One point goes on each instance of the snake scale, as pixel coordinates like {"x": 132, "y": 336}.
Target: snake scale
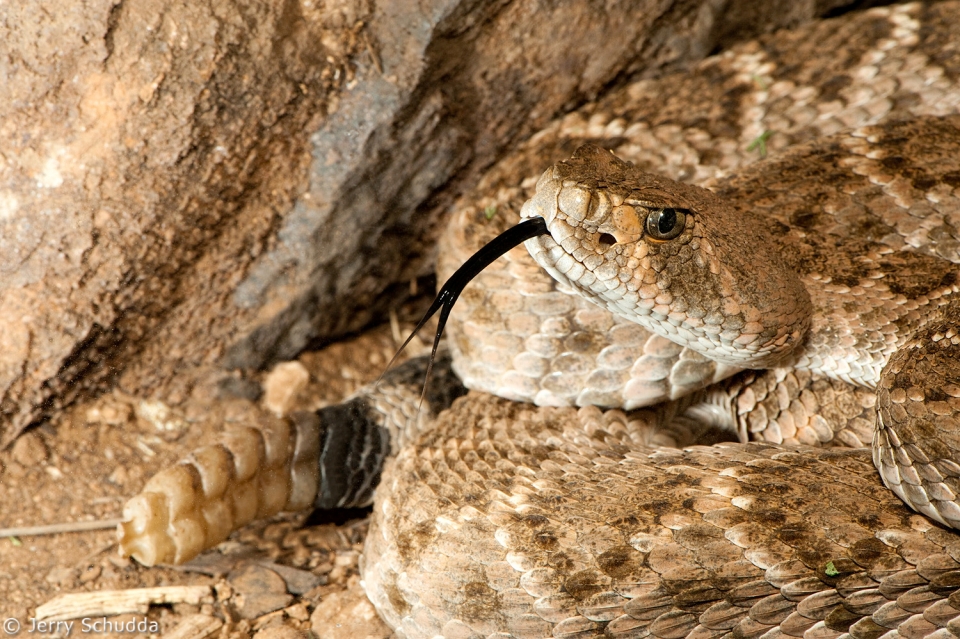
{"x": 830, "y": 267}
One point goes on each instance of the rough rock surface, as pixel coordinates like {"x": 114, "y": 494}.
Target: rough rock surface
{"x": 217, "y": 182}
{"x": 149, "y": 151}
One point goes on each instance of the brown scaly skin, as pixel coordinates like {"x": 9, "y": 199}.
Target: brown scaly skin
{"x": 864, "y": 311}
{"x": 829, "y": 551}
{"x": 518, "y": 334}
{"x": 543, "y": 529}
{"x": 630, "y": 518}
{"x": 507, "y": 519}
{"x": 656, "y": 535}
{"x": 695, "y": 289}
{"x": 755, "y": 540}
{"x": 918, "y": 431}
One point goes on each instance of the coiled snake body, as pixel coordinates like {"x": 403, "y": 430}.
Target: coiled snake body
{"x": 833, "y": 263}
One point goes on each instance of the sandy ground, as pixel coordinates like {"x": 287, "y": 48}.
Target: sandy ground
{"x": 285, "y": 577}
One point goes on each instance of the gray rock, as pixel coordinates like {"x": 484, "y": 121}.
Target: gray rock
{"x": 221, "y": 183}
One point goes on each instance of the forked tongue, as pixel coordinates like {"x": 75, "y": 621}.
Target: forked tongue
{"x": 451, "y": 289}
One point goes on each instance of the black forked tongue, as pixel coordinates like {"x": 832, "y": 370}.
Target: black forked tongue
{"x": 450, "y": 291}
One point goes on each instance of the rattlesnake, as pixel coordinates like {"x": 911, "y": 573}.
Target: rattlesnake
{"x": 504, "y": 520}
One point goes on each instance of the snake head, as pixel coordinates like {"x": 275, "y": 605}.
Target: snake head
{"x": 671, "y": 256}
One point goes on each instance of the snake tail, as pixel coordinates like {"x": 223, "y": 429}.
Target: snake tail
{"x": 334, "y": 457}
{"x": 254, "y": 471}
{"x": 330, "y": 458}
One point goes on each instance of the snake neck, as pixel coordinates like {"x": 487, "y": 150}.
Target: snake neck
{"x": 869, "y": 300}
{"x": 671, "y": 257}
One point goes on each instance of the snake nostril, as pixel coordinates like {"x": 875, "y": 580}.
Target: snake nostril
{"x": 606, "y": 239}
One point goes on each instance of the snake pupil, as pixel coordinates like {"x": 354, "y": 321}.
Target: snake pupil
{"x": 668, "y": 218}
{"x": 666, "y": 223}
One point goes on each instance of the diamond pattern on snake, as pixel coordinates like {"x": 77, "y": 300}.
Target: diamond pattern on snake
{"x": 761, "y": 252}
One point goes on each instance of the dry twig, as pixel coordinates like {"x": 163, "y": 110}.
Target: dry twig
{"x": 106, "y": 603}
{"x": 55, "y": 529}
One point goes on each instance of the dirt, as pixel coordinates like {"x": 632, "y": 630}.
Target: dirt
{"x": 85, "y": 464}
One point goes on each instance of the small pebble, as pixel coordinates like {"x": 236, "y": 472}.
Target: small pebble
{"x": 90, "y": 574}
{"x": 347, "y": 615}
{"x": 298, "y": 611}
{"x": 201, "y": 625}
{"x": 61, "y": 576}
{"x": 109, "y": 412}
{"x": 260, "y": 591}
{"x": 269, "y": 620}
{"x": 298, "y": 581}
{"x": 29, "y": 450}
{"x": 119, "y": 476}
{"x": 253, "y": 579}
{"x": 254, "y": 605}
{"x": 280, "y": 632}
{"x": 15, "y": 470}
{"x": 223, "y": 590}
{"x": 282, "y": 385}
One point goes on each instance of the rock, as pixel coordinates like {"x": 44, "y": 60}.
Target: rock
{"x": 213, "y": 563}
{"x": 154, "y": 143}
{"x": 259, "y": 591}
{"x": 282, "y": 384}
{"x": 108, "y": 410}
{"x": 29, "y": 450}
{"x": 253, "y": 605}
{"x": 61, "y": 576}
{"x": 197, "y": 626}
{"x": 298, "y": 581}
{"x": 90, "y": 574}
{"x": 280, "y": 632}
{"x": 14, "y": 470}
{"x": 347, "y": 615}
{"x": 119, "y": 476}
{"x": 253, "y": 578}
{"x": 298, "y": 612}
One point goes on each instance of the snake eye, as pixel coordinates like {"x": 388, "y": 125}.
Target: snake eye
{"x": 666, "y": 223}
